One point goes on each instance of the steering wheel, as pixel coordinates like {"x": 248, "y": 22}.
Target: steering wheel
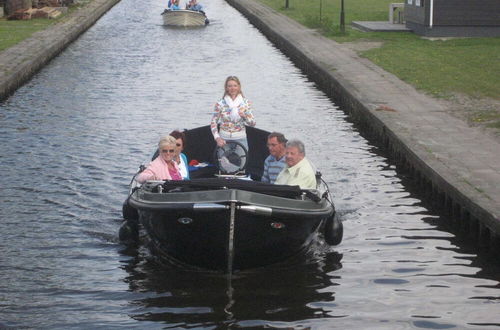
{"x": 231, "y": 158}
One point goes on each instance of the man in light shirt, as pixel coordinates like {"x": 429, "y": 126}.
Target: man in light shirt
{"x": 299, "y": 171}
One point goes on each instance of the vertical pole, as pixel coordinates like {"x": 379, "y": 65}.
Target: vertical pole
{"x": 431, "y": 14}
{"x": 342, "y": 17}
{"x": 230, "y": 249}
{"x": 230, "y": 299}
{"x": 320, "y": 8}
{"x": 286, "y": 4}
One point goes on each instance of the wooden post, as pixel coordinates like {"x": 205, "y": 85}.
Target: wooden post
{"x": 342, "y": 17}
{"x": 320, "y": 9}
{"x": 286, "y": 3}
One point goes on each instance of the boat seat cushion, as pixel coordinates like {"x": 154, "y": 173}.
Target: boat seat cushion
{"x": 224, "y": 183}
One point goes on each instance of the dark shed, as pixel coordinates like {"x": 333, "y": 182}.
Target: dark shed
{"x": 453, "y": 18}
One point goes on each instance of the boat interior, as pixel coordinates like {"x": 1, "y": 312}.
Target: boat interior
{"x": 247, "y": 171}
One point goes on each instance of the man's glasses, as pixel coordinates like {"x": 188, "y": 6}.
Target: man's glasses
{"x": 168, "y": 150}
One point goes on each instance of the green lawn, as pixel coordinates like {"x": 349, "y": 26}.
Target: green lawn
{"x": 12, "y": 32}
{"x": 440, "y": 67}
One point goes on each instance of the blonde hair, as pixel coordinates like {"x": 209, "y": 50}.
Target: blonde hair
{"x": 235, "y": 79}
{"x": 166, "y": 140}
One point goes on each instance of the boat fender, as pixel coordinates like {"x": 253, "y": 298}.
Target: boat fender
{"x": 129, "y": 232}
{"x": 129, "y": 213}
{"x": 334, "y": 230}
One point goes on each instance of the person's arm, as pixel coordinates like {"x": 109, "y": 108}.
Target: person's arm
{"x": 281, "y": 178}
{"x": 213, "y": 125}
{"x": 265, "y": 174}
{"x": 247, "y": 114}
{"x": 185, "y": 163}
{"x": 309, "y": 182}
{"x": 146, "y": 175}
{"x": 307, "y": 176}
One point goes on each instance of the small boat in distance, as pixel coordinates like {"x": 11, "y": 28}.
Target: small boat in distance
{"x": 224, "y": 218}
{"x": 184, "y": 18}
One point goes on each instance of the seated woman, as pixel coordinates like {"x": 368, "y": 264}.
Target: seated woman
{"x": 180, "y": 158}
{"x": 163, "y": 167}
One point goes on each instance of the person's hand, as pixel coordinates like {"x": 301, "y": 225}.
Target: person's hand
{"x": 241, "y": 112}
{"x": 220, "y": 142}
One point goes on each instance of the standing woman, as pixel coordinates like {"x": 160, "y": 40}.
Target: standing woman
{"x": 232, "y": 112}
{"x": 180, "y": 158}
{"x": 163, "y": 167}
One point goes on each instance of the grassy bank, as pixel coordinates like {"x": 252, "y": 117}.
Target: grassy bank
{"x": 468, "y": 66}
{"x": 13, "y": 32}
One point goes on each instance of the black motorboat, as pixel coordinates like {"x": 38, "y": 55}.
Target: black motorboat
{"x": 224, "y": 218}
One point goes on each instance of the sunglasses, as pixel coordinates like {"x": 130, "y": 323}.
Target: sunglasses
{"x": 168, "y": 150}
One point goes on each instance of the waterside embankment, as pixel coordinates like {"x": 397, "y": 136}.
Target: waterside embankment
{"x": 20, "y": 62}
{"x": 456, "y": 166}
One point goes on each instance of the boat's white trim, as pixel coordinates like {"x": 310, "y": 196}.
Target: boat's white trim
{"x": 255, "y": 209}
{"x": 209, "y": 207}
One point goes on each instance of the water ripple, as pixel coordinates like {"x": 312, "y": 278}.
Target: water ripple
{"x": 72, "y": 137}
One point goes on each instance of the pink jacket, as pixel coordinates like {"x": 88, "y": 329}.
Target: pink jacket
{"x": 156, "y": 170}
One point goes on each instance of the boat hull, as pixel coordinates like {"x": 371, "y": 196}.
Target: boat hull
{"x": 228, "y": 222}
{"x": 266, "y": 229}
{"x": 184, "y": 18}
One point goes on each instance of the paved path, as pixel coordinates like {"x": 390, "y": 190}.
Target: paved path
{"x": 462, "y": 157}
{"x": 379, "y": 26}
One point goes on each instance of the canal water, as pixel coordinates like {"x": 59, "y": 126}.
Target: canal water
{"x": 74, "y": 135}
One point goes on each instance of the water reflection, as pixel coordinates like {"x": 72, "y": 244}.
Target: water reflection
{"x": 287, "y": 292}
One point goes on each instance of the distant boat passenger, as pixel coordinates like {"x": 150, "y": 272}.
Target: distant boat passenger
{"x": 173, "y": 5}
{"x": 194, "y": 5}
